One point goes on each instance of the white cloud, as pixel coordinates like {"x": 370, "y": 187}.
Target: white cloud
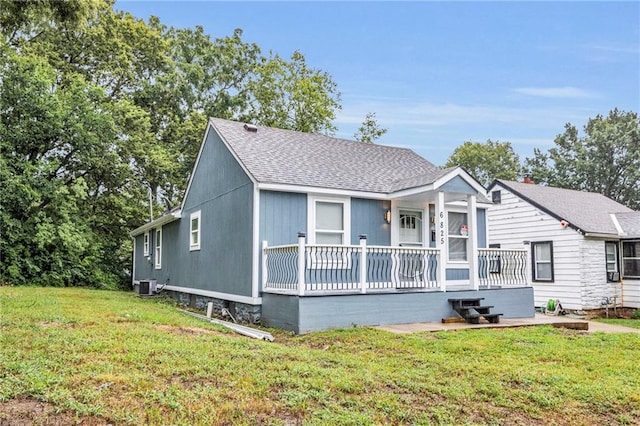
{"x": 555, "y": 92}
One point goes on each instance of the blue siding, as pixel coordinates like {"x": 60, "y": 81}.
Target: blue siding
{"x": 482, "y": 228}
{"x": 459, "y": 185}
{"x": 282, "y": 216}
{"x": 223, "y": 193}
{"x": 457, "y": 274}
{"x": 367, "y": 217}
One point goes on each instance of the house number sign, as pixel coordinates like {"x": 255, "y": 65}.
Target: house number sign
{"x": 441, "y": 228}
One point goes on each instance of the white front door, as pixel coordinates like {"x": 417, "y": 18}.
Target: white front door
{"x": 410, "y": 228}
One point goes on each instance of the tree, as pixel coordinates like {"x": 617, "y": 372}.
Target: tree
{"x": 486, "y": 161}
{"x": 606, "y": 159}
{"x": 369, "y": 131}
{"x": 97, "y": 107}
{"x": 291, "y": 95}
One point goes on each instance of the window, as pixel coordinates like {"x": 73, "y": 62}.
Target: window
{"x": 329, "y": 223}
{"x": 458, "y": 236}
{"x": 496, "y": 197}
{"x": 158, "y": 252}
{"x": 145, "y": 244}
{"x": 611, "y": 256}
{"x": 631, "y": 259}
{"x": 194, "y": 231}
{"x": 542, "y": 261}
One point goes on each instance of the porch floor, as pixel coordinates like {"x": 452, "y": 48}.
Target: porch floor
{"x": 539, "y": 319}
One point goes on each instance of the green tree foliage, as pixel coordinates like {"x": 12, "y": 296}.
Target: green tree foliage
{"x": 370, "y": 130}
{"x": 486, "y": 161}
{"x": 98, "y": 107}
{"x": 606, "y": 159}
{"x": 291, "y": 95}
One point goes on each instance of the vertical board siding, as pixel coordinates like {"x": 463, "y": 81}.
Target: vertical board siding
{"x": 282, "y": 216}
{"x": 514, "y": 221}
{"x": 223, "y": 193}
{"x": 144, "y": 266}
{"x": 367, "y": 217}
{"x": 454, "y": 274}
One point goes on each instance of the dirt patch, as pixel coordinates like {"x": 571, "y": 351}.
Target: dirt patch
{"x": 28, "y": 412}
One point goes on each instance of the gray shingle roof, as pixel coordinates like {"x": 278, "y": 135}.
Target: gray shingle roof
{"x": 630, "y": 223}
{"x": 308, "y": 159}
{"x": 588, "y": 211}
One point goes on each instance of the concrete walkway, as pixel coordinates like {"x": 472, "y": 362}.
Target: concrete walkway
{"x": 539, "y": 319}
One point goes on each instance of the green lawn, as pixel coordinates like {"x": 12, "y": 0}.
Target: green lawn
{"x": 98, "y": 357}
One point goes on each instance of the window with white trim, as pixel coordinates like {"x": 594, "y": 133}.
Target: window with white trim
{"x": 145, "y": 244}
{"x": 194, "y": 231}
{"x": 542, "y": 261}
{"x": 158, "y": 248}
{"x": 329, "y": 222}
{"x": 611, "y": 258}
{"x": 458, "y": 236}
{"x": 631, "y": 259}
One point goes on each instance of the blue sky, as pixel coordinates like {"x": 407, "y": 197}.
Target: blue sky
{"x": 440, "y": 73}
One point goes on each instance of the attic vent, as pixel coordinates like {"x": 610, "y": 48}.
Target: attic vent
{"x": 250, "y": 128}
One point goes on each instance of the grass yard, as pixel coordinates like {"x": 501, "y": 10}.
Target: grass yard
{"x": 633, "y": 323}
{"x": 96, "y": 357}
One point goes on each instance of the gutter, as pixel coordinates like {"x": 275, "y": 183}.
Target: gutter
{"x": 240, "y": 329}
{"x": 162, "y": 220}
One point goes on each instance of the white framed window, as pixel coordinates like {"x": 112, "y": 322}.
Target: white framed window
{"x": 329, "y": 221}
{"x": 158, "y": 248}
{"x": 458, "y": 236}
{"x": 611, "y": 259}
{"x": 631, "y": 259}
{"x": 194, "y": 231}
{"x": 542, "y": 261}
{"x": 145, "y": 244}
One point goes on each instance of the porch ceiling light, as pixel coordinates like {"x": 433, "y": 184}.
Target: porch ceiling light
{"x": 387, "y": 216}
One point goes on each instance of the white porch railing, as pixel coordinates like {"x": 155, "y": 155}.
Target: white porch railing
{"x": 502, "y": 268}
{"x": 301, "y": 268}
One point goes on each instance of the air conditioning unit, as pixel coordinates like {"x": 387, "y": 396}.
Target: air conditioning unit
{"x": 613, "y": 276}
{"x": 147, "y": 287}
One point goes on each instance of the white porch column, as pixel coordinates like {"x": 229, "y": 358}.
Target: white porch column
{"x": 363, "y": 263}
{"x": 441, "y": 240}
{"x": 301, "y": 265}
{"x": 472, "y": 215}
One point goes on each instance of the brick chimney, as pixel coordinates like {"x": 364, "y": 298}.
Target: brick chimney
{"x": 527, "y": 179}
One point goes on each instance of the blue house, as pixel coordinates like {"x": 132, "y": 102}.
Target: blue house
{"x": 306, "y": 232}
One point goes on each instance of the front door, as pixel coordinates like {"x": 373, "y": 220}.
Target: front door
{"x": 410, "y": 234}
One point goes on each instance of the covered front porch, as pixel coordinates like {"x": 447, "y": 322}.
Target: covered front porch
{"x": 325, "y": 269}
{"x": 310, "y": 287}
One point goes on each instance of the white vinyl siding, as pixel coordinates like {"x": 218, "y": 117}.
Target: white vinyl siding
{"x": 579, "y": 265}
{"x": 158, "y": 249}
{"x": 514, "y": 224}
{"x": 194, "y": 231}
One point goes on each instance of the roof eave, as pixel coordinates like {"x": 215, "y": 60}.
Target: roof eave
{"x": 162, "y": 220}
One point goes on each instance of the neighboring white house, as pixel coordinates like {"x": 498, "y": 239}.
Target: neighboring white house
{"x": 584, "y": 247}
